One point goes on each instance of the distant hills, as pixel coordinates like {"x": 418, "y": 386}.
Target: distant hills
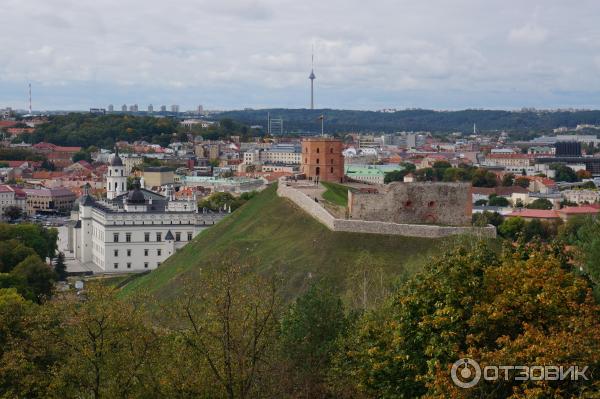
{"x": 339, "y": 121}
{"x": 283, "y": 240}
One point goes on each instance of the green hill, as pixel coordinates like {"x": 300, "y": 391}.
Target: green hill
{"x": 283, "y": 239}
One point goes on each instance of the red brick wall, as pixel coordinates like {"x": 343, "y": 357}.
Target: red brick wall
{"x": 323, "y": 157}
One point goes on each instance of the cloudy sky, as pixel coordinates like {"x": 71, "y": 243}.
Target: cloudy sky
{"x": 229, "y": 54}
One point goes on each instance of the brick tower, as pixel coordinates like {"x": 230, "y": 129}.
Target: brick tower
{"x": 322, "y": 159}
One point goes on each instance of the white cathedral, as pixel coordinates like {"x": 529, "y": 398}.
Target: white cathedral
{"x": 132, "y": 230}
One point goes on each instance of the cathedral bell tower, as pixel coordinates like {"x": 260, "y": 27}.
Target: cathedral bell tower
{"x": 116, "y": 177}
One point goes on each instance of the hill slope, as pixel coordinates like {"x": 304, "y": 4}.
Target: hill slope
{"x": 284, "y": 239}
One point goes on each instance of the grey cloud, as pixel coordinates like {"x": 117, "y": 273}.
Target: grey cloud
{"x": 397, "y": 52}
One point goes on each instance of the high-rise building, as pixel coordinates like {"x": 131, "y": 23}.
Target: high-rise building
{"x": 111, "y": 108}
{"x": 276, "y": 126}
{"x": 568, "y": 148}
{"x": 163, "y": 108}
{"x": 175, "y": 108}
{"x": 200, "y": 109}
{"x": 150, "y": 108}
{"x": 133, "y": 108}
{"x": 124, "y": 108}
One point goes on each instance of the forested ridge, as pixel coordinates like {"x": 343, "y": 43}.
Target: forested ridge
{"x": 337, "y": 121}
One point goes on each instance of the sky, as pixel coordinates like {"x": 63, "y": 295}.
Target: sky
{"x": 232, "y": 54}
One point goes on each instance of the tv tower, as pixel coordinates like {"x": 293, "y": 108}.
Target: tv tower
{"x": 30, "y": 112}
{"x": 312, "y": 78}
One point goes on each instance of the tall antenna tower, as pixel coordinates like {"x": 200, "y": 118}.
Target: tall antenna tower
{"x": 312, "y": 78}
{"x": 30, "y": 110}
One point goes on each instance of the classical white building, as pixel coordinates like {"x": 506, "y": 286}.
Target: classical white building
{"x": 133, "y": 230}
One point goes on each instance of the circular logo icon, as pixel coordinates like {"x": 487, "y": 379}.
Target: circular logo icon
{"x": 465, "y": 373}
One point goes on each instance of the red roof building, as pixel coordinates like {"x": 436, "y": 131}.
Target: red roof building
{"x": 531, "y": 214}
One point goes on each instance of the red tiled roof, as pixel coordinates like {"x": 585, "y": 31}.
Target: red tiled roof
{"x": 534, "y": 214}
{"x": 7, "y": 123}
{"x": 16, "y": 164}
{"x": 579, "y": 210}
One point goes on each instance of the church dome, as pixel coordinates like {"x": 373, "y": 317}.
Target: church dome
{"x": 116, "y": 161}
{"x": 136, "y": 196}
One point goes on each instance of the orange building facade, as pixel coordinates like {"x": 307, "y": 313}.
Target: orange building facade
{"x": 322, "y": 159}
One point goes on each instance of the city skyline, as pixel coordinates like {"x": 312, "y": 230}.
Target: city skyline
{"x": 501, "y": 55}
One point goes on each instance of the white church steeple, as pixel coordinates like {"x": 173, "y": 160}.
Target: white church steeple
{"x": 116, "y": 177}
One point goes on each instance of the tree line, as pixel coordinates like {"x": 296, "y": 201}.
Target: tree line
{"x": 523, "y": 124}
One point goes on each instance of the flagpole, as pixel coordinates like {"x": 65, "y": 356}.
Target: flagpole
{"x": 322, "y": 121}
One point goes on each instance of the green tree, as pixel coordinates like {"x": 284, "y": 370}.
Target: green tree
{"x": 496, "y": 200}
{"x": 540, "y": 203}
{"x": 521, "y": 182}
{"x": 309, "y": 330}
{"x": 564, "y": 173}
{"x": 508, "y": 179}
{"x": 484, "y": 178}
{"x": 107, "y": 348}
{"x": 38, "y": 276}
{"x": 82, "y": 155}
{"x": 232, "y": 320}
{"x": 60, "y": 268}
{"x": 589, "y": 185}
{"x": 511, "y": 227}
{"x": 12, "y": 252}
{"x": 521, "y": 306}
{"x": 485, "y": 218}
{"x": 13, "y": 212}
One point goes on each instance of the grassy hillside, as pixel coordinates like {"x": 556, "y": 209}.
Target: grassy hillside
{"x": 284, "y": 239}
{"x": 336, "y": 193}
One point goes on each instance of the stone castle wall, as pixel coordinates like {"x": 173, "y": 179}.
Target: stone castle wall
{"x": 376, "y": 227}
{"x": 307, "y": 204}
{"x": 446, "y": 204}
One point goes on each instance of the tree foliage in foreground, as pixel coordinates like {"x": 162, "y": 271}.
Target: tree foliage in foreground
{"x": 230, "y": 337}
{"x": 523, "y": 307}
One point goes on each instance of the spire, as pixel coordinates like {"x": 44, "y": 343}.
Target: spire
{"x": 116, "y": 160}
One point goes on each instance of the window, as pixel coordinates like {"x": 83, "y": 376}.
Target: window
{"x": 332, "y": 170}
{"x": 431, "y": 204}
{"x": 317, "y": 160}
{"x": 189, "y": 236}
{"x": 129, "y": 265}
{"x": 317, "y": 150}
{"x": 129, "y": 252}
{"x": 158, "y": 237}
{"x": 159, "y": 252}
{"x": 145, "y": 252}
{"x": 116, "y": 237}
{"x": 157, "y": 264}
{"x": 147, "y": 237}
{"x": 116, "y": 265}
{"x": 178, "y": 236}
{"x": 116, "y": 252}
{"x": 127, "y": 237}
{"x": 145, "y": 265}
{"x": 331, "y": 150}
